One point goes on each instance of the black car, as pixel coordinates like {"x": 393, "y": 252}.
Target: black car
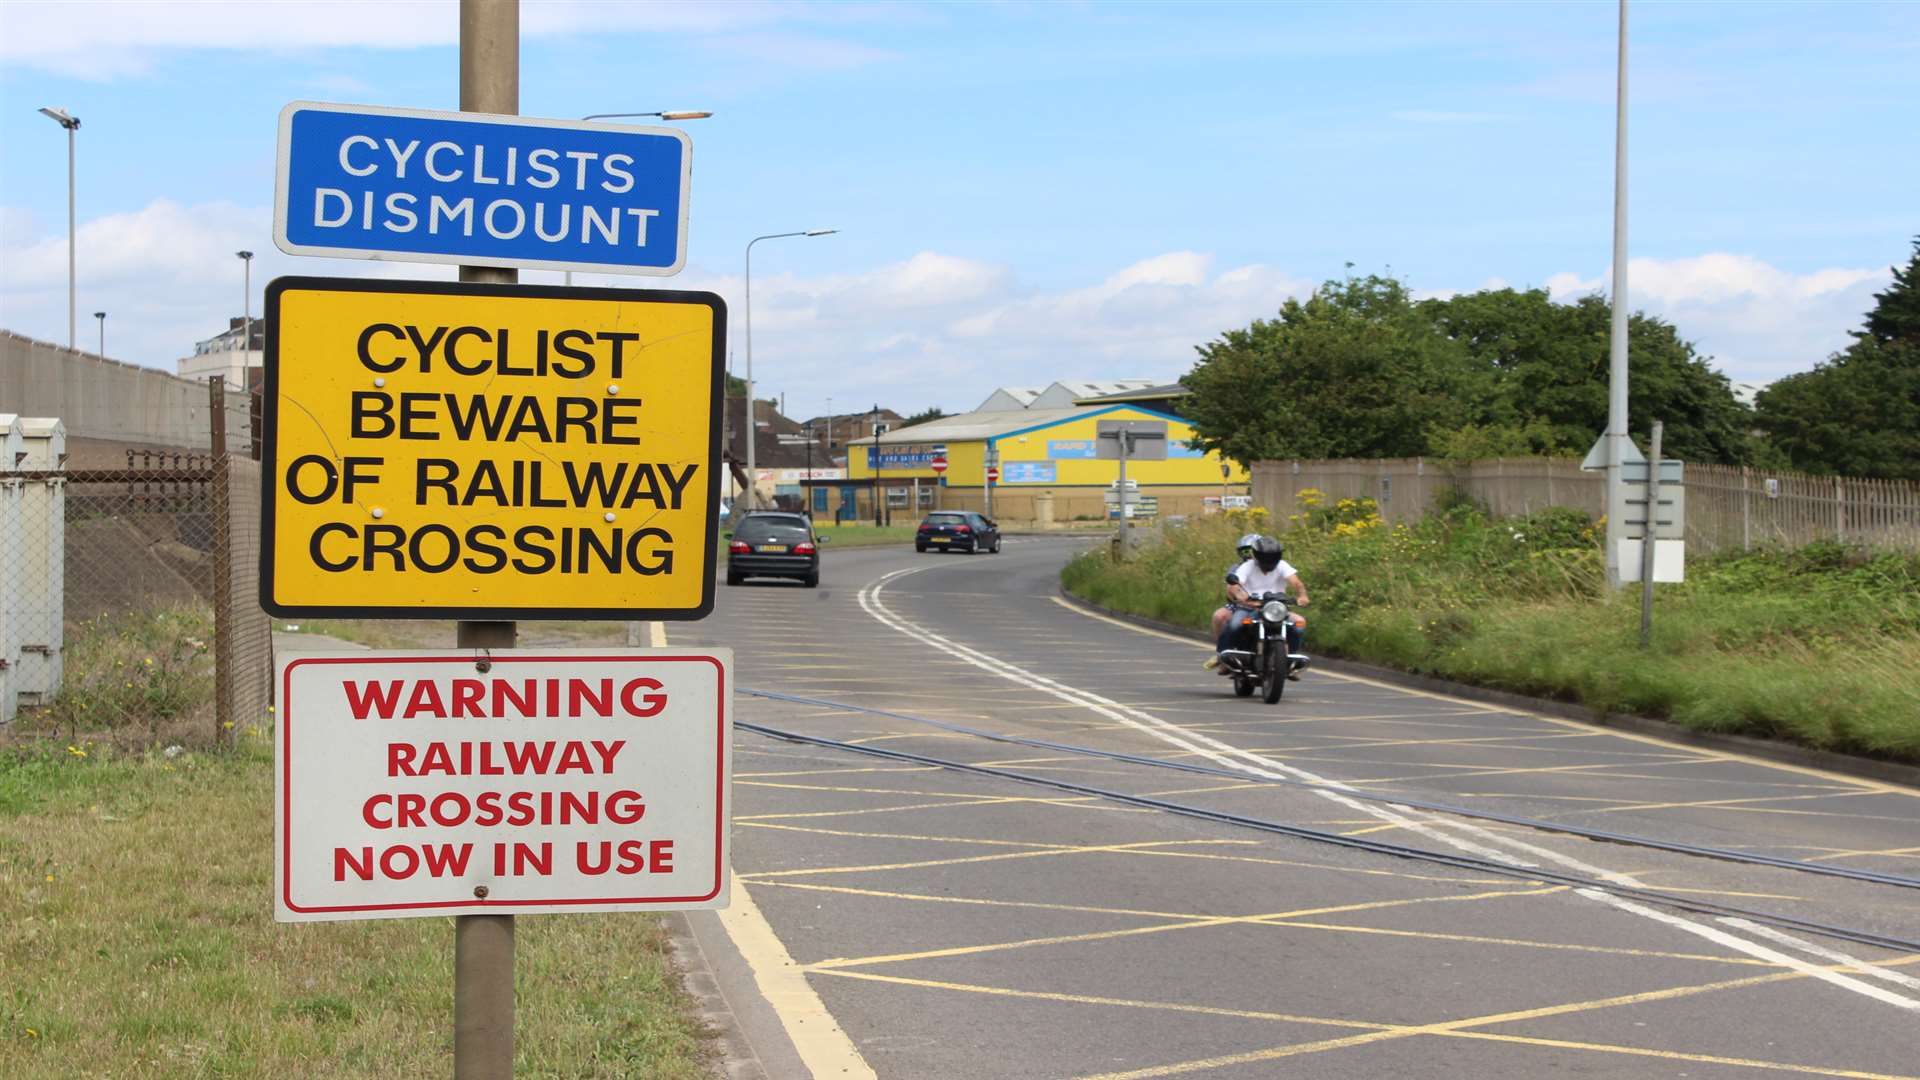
{"x": 957, "y": 530}
{"x": 765, "y": 544}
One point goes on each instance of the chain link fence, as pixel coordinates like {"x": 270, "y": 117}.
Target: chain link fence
{"x": 128, "y": 595}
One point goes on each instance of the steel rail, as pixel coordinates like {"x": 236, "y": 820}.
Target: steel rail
{"x": 1379, "y": 847}
{"x": 1725, "y": 854}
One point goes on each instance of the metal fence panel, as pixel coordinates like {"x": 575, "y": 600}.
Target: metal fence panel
{"x": 1728, "y": 507}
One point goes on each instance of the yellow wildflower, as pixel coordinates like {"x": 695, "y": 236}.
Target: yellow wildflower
{"x": 76, "y": 751}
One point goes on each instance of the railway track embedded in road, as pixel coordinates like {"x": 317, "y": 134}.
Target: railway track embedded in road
{"x": 1601, "y": 835}
{"x": 1463, "y": 861}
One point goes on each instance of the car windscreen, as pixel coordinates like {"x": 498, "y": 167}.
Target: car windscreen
{"x": 757, "y": 530}
{"x": 946, "y": 519}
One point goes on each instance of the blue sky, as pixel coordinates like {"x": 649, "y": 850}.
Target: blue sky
{"x": 1034, "y": 191}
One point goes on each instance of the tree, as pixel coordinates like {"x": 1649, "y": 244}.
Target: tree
{"x": 1357, "y": 370}
{"x": 736, "y": 386}
{"x": 923, "y": 416}
{"x": 1857, "y": 413}
{"x": 1550, "y": 364}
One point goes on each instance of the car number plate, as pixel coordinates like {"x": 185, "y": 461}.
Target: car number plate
{"x": 941, "y": 539}
{"x": 772, "y": 547}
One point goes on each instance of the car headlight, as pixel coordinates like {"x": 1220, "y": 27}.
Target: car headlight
{"x": 1273, "y": 611}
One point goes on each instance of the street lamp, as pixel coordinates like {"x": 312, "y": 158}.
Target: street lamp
{"x": 681, "y": 114}
{"x": 246, "y": 312}
{"x": 753, "y": 482}
{"x": 72, "y": 124}
{"x": 102, "y": 316}
{"x": 671, "y": 114}
{"x": 1617, "y": 438}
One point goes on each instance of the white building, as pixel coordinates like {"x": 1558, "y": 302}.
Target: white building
{"x": 1009, "y": 399}
{"x": 222, "y": 355}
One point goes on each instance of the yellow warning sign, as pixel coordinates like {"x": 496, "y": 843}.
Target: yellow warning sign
{"x": 455, "y": 450}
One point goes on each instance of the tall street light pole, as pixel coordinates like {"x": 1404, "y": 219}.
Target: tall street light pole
{"x": 246, "y": 312}
{"x": 1617, "y": 366}
{"x": 669, "y": 114}
{"x": 102, "y": 316}
{"x": 72, "y": 124}
{"x": 753, "y": 481}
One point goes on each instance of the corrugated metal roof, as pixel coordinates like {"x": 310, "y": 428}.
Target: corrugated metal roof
{"x": 981, "y": 425}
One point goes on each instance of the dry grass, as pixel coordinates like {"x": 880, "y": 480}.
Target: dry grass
{"x": 137, "y": 940}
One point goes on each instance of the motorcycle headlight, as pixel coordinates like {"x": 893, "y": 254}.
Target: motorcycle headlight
{"x": 1273, "y": 611}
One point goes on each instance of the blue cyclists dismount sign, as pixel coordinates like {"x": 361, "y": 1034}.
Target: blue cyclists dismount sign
{"x": 368, "y": 182}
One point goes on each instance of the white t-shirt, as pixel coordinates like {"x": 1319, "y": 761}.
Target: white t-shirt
{"x": 1257, "y": 581}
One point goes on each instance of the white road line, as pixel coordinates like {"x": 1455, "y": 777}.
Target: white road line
{"x": 1484, "y": 844}
{"x": 1871, "y": 970}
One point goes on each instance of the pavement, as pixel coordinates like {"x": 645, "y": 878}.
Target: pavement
{"x": 899, "y": 919}
{"x": 904, "y": 920}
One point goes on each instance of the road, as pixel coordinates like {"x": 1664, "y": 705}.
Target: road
{"x": 963, "y": 925}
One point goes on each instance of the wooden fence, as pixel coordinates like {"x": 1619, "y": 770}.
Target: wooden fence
{"x": 1727, "y": 506}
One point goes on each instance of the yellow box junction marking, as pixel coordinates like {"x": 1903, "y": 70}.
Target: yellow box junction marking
{"x": 436, "y": 449}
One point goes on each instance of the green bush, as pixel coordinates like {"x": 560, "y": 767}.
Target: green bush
{"x": 1819, "y": 645}
{"x": 136, "y": 673}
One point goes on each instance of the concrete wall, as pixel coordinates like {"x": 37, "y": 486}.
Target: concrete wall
{"x": 108, "y": 404}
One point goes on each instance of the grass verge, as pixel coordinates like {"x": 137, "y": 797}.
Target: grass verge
{"x": 138, "y": 941}
{"x": 1819, "y": 646}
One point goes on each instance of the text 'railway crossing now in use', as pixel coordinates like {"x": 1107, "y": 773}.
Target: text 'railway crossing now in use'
{"x": 441, "y": 783}
{"x": 480, "y": 451}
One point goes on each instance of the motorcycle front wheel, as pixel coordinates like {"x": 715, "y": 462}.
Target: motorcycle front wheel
{"x": 1274, "y": 673}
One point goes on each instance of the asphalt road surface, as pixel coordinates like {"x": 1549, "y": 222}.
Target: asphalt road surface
{"x": 952, "y": 924}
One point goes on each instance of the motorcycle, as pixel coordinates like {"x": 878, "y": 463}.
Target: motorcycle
{"x": 1259, "y": 658}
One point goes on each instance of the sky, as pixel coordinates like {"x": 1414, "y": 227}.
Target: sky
{"x": 1028, "y": 192}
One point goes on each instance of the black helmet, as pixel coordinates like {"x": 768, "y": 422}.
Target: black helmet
{"x": 1266, "y": 552}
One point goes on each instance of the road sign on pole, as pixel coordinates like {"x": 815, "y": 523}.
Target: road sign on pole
{"x": 993, "y": 474}
{"x": 370, "y": 182}
{"x": 447, "y": 782}
{"x": 938, "y": 465}
{"x": 489, "y": 452}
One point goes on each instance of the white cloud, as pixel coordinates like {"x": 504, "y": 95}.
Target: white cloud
{"x": 932, "y": 329}
{"x": 167, "y": 275}
{"x": 1756, "y": 321}
{"x": 120, "y": 37}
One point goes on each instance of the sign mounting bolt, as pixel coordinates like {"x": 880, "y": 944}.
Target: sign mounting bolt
{"x": 609, "y": 515}
{"x": 379, "y": 380}
{"x": 378, "y": 513}
{"x": 613, "y": 388}
{"x": 479, "y": 892}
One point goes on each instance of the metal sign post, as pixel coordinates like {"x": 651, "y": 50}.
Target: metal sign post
{"x": 483, "y": 945}
{"x": 1124, "y": 439}
{"x": 1649, "y": 545}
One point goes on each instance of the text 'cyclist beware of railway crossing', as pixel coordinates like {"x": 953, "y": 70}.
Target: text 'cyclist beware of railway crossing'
{"x": 489, "y": 451}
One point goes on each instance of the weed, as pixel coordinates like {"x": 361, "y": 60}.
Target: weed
{"x": 1819, "y": 645}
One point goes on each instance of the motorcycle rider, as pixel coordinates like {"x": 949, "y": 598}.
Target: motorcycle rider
{"x": 1245, "y": 550}
{"x": 1266, "y": 572}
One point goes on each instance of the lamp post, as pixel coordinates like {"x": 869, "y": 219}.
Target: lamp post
{"x": 246, "y": 311}
{"x": 670, "y": 114}
{"x": 874, "y": 462}
{"x": 72, "y": 124}
{"x": 1617, "y": 347}
{"x": 102, "y": 316}
{"x": 753, "y": 481}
